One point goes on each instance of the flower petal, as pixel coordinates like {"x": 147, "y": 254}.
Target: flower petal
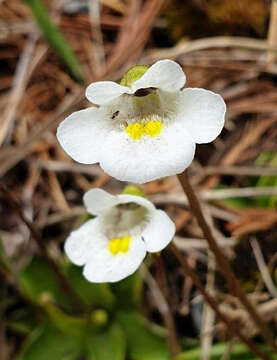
{"x": 80, "y": 244}
{"x": 105, "y": 267}
{"x": 159, "y": 231}
{"x": 203, "y": 113}
{"x": 97, "y": 200}
{"x": 102, "y": 92}
{"x": 80, "y": 135}
{"x": 166, "y": 75}
{"x": 126, "y": 198}
{"x": 147, "y": 159}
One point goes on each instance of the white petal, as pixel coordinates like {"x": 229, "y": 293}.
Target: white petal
{"x": 148, "y": 158}
{"x": 203, "y": 113}
{"x": 97, "y": 200}
{"x": 159, "y": 231}
{"x": 80, "y": 244}
{"x": 105, "y": 267}
{"x": 80, "y": 135}
{"x": 126, "y": 198}
{"x": 166, "y": 75}
{"x": 102, "y": 92}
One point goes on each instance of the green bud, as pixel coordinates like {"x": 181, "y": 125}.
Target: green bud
{"x": 133, "y": 75}
{"x": 99, "y": 317}
{"x": 133, "y": 190}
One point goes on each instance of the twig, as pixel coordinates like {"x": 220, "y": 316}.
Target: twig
{"x": 262, "y": 267}
{"x": 184, "y": 244}
{"x": 64, "y": 284}
{"x": 69, "y": 103}
{"x": 228, "y": 351}
{"x": 272, "y": 32}
{"x": 207, "y": 43}
{"x": 220, "y": 194}
{"x": 163, "y": 308}
{"x": 66, "y": 166}
{"x": 233, "y": 284}
{"x": 208, "y": 315}
{"x": 19, "y": 84}
{"x": 236, "y": 332}
{"x": 240, "y": 170}
{"x": 98, "y": 45}
{"x": 168, "y": 318}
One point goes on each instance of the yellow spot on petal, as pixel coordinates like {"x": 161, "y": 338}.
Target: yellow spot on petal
{"x": 135, "y": 131}
{"x": 114, "y": 245}
{"x": 153, "y": 128}
{"x": 117, "y": 245}
{"x": 125, "y": 243}
{"x": 146, "y": 128}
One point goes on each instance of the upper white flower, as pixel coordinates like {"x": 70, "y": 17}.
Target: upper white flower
{"x": 113, "y": 245}
{"x": 145, "y": 128}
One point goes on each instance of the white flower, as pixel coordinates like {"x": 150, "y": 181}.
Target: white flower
{"x": 145, "y": 128}
{"x": 113, "y": 245}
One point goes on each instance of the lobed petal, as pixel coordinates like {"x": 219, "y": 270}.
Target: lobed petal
{"x": 81, "y": 243}
{"x": 159, "y": 231}
{"x": 102, "y": 92}
{"x": 80, "y": 135}
{"x": 97, "y": 200}
{"x": 126, "y": 198}
{"x": 203, "y": 114}
{"x": 105, "y": 267}
{"x": 166, "y": 75}
{"x": 149, "y": 158}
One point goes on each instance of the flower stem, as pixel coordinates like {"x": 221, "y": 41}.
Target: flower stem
{"x": 234, "y": 330}
{"x": 63, "y": 282}
{"x": 233, "y": 284}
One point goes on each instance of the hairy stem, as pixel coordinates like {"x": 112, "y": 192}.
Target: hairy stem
{"x": 233, "y": 284}
{"x": 234, "y": 330}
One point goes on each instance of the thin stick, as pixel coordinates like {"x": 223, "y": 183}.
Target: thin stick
{"x": 263, "y": 267}
{"x": 186, "y": 47}
{"x": 240, "y": 170}
{"x": 173, "y": 341}
{"x": 236, "y": 332}
{"x": 98, "y": 44}
{"x": 64, "y": 284}
{"x": 19, "y": 85}
{"x": 234, "y": 285}
{"x": 272, "y": 33}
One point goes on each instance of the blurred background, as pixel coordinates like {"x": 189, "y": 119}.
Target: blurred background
{"x": 49, "y": 52}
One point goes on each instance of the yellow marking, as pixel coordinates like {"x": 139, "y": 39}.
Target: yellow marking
{"x": 137, "y": 130}
{"x": 153, "y": 128}
{"x": 114, "y": 246}
{"x": 125, "y": 243}
{"x": 119, "y": 244}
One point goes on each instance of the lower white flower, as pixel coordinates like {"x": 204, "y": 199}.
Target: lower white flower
{"x": 144, "y": 128}
{"x": 113, "y": 245}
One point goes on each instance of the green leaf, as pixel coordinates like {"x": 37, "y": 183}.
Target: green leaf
{"x": 37, "y": 279}
{"x": 49, "y": 343}
{"x": 142, "y": 344}
{"x": 55, "y": 38}
{"x": 267, "y": 158}
{"x": 239, "y": 352}
{"x": 129, "y": 291}
{"x": 98, "y": 295}
{"x": 67, "y": 324}
{"x": 107, "y": 345}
